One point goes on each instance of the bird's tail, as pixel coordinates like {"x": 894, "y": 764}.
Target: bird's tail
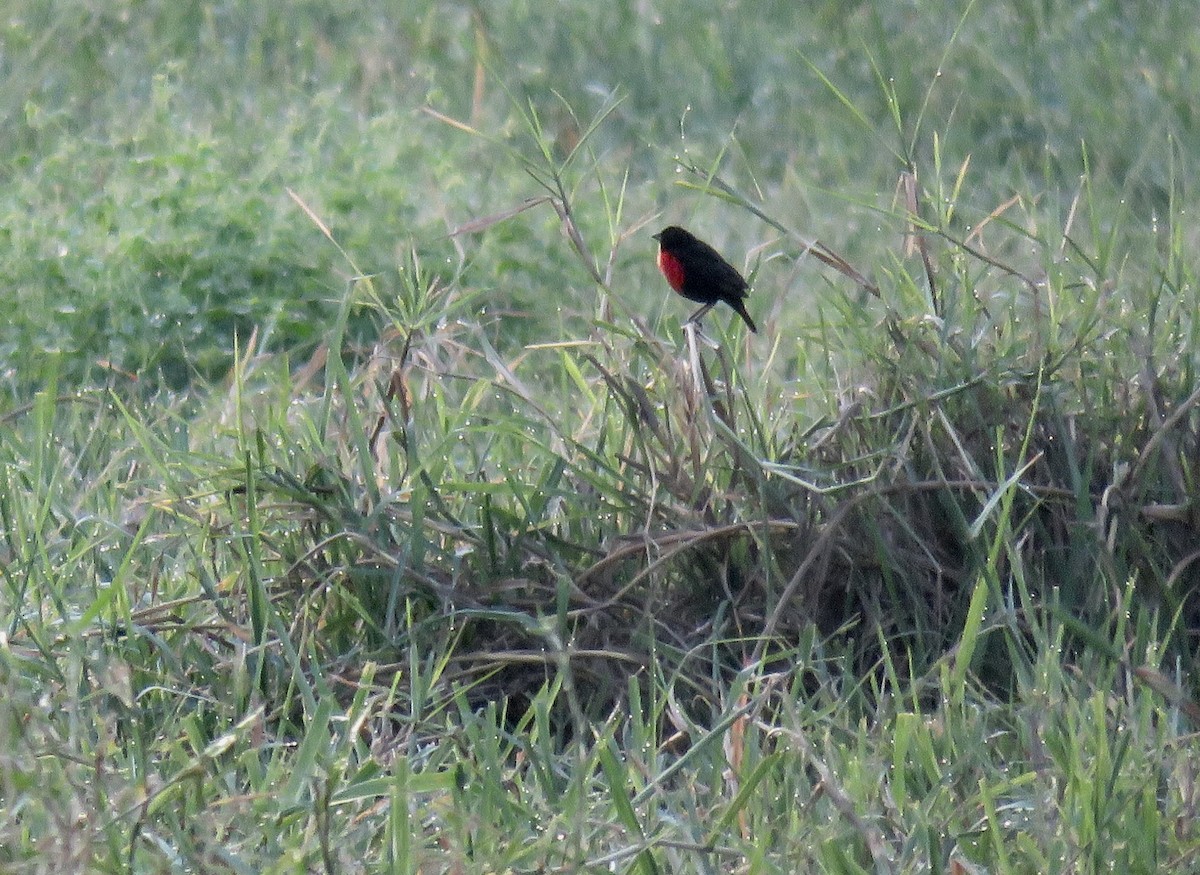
{"x": 741, "y": 311}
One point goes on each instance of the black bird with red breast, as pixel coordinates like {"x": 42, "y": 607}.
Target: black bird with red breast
{"x": 699, "y": 273}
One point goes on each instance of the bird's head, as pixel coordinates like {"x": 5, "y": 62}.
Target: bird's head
{"x": 672, "y": 236}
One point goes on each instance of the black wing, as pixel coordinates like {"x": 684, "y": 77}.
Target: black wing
{"x": 709, "y": 271}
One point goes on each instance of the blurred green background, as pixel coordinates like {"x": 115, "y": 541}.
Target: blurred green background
{"x": 147, "y": 145}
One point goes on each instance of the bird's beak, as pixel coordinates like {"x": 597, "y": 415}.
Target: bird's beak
{"x": 656, "y": 236}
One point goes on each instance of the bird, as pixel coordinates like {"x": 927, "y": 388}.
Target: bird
{"x": 699, "y": 273}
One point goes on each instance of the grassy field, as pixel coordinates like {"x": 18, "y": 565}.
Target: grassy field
{"x": 365, "y": 505}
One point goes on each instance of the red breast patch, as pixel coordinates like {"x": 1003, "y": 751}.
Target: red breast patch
{"x": 671, "y": 269}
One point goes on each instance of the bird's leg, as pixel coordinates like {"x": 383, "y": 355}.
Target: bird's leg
{"x": 695, "y": 317}
{"x": 691, "y": 330}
